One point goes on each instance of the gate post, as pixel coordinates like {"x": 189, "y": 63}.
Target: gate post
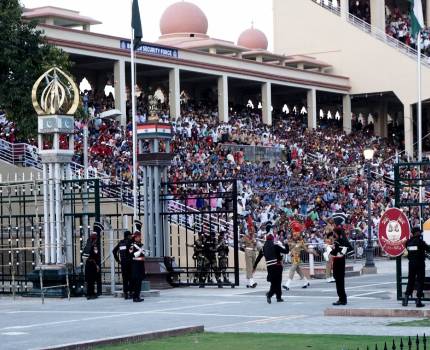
{"x": 235, "y": 234}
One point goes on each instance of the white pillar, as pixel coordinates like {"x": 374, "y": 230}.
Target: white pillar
{"x": 377, "y": 14}
{"x": 347, "y": 114}
{"x": 46, "y": 225}
{"x": 223, "y": 99}
{"x": 344, "y": 8}
{"x": 58, "y": 213}
{"x": 120, "y": 90}
{"x": 266, "y": 97}
{"x": 174, "y": 94}
{"x": 381, "y": 120}
{"x": 52, "y": 214}
{"x": 408, "y": 129}
{"x": 312, "y": 109}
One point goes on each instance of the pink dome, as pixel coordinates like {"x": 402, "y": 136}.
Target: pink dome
{"x": 183, "y": 17}
{"x": 253, "y": 39}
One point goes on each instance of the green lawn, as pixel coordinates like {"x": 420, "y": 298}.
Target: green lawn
{"x": 254, "y": 341}
{"x": 417, "y": 323}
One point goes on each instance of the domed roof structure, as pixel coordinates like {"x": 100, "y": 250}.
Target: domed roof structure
{"x": 183, "y": 17}
{"x": 253, "y": 39}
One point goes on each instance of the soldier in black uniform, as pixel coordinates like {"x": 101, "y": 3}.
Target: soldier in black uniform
{"x": 272, "y": 253}
{"x": 222, "y": 250}
{"x": 417, "y": 249}
{"x": 122, "y": 255}
{"x": 138, "y": 266}
{"x": 340, "y": 249}
{"x": 91, "y": 256}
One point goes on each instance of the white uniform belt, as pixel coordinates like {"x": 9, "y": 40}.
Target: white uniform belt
{"x": 141, "y": 258}
{"x": 271, "y": 262}
{"x": 249, "y": 248}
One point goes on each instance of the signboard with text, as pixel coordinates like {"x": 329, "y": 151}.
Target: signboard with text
{"x": 151, "y": 49}
{"x": 394, "y": 231}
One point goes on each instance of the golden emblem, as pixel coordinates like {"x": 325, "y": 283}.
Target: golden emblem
{"x": 59, "y": 95}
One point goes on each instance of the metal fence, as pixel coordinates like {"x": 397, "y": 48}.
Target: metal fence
{"x": 410, "y": 343}
{"x": 256, "y": 153}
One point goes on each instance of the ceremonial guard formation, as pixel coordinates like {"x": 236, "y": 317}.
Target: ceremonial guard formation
{"x": 91, "y": 256}
{"x": 122, "y": 255}
{"x": 416, "y": 250}
{"x": 272, "y": 253}
{"x": 211, "y": 256}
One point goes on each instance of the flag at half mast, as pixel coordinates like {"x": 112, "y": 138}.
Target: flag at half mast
{"x": 417, "y": 18}
{"x": 136, "y": 24}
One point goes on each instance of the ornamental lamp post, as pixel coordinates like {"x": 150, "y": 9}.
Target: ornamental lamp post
{"x": 369, "y": 266}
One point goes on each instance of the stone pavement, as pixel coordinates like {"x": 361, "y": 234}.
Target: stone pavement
{"x": 27, "y": 324}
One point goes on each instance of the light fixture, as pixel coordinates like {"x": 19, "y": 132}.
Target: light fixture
{"x": 368, "y": 153}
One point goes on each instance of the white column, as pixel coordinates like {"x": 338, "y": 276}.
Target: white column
{"x": 312, "y": 109}
{"x": 58, "y": 213}
{"x": 377, "y": 13}
{"x": 52, "y": 213}
{"x": 223, "y": 99}
{"x": 347, "y": 114}
{"x": 344, "y": 8}
{"x": 46, "y": 226}
{"x": 174, "y": 94}
{"x": 408, "y": 129}
{"x": 120, "y": 90}
{"x": 381, "y": 120}
{"x": 266, "y": 97}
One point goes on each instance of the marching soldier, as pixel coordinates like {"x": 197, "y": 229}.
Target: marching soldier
{"x": 91, "y": 256}
{"x": 340, "y": 249}
{"x": 122, "y": 255}
{"x": 296, "y": 246}
{"x": 272, "y": 253}
{"x": 250, "y": 245}
{"x": 416, "y": 250}
{"x": 201, "y": 260}
{"x": 138, "y": 264}
{"x": 222, "y": 250}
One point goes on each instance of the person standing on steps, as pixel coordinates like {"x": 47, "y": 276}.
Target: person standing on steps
{"x": 272, "y": 253}
{"x": 416, "y": 249}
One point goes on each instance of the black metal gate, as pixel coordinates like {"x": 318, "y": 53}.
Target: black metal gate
{"x": 208, "y": 208}
{"x": 409, "y": 179}
{"x": 21, "y": 230}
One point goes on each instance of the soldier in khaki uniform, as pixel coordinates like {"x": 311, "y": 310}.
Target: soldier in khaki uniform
{"x": 297, "y": 245}
{"x": 250, "y": 246}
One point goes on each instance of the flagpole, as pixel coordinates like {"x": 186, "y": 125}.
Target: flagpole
{"x": 419, "y": 121}
{"x": 133, "y": 112}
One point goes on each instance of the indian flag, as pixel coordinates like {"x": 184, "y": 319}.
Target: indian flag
{"x": 417, "y": 18}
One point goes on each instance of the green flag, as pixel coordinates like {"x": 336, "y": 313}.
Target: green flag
{"x": 417, "y": 18}
{"x": 136, "y": 24}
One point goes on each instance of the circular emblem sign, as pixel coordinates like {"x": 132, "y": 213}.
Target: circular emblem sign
{"x": 393, "y": 232}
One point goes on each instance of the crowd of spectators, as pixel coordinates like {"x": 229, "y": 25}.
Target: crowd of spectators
{"x": 398, "y": 26}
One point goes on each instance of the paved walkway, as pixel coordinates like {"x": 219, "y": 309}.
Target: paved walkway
{"x": 27, "y": 324}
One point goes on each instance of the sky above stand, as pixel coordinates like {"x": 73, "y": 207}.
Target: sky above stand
{"x": 227, "y": 18}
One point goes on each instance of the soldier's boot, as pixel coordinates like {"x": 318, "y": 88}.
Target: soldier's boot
{"x": 405, "y": 301}
{"x": 286, "y": 286}
{"x": 419, "y": 303}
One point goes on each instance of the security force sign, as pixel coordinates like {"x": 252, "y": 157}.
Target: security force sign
{"x": 394, "y": 231}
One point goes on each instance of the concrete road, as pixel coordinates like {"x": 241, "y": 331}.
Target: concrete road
{"x": 27, "y": 324}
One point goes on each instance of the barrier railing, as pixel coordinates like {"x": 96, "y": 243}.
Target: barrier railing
{"x": 256, "y": 153}
{"x": 372, "y": 30}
